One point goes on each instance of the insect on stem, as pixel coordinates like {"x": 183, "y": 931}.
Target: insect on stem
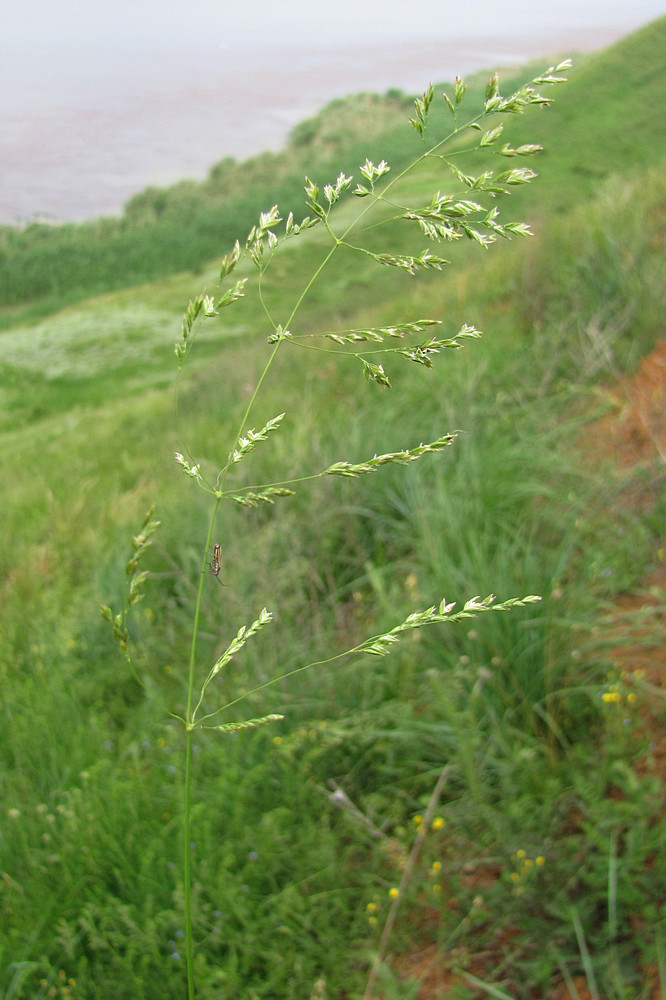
{"x": 215, "y": 564}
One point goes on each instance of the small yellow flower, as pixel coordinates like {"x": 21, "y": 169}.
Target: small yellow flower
{"x": 540, "y": 861}
{"x": 393, "y": 892}
{"x": 417, "y": 820}
{"x": 277, "y": 740}
{"x": 631, "y": 698}
{"x": 438, "y": 823}
{"x": 436, "y": 889}
{"x": 371, "y": 907}
{"x": 515, "y": 877}
{"x": 527, "y": 864}
{"x": 520, "y": 854}
{"x": 372, "y": 921}
{"x": 436, "y": 867}
{"x": 611, "y": 696}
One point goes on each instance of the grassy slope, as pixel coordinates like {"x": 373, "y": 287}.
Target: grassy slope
{"x": 90, "y": 760}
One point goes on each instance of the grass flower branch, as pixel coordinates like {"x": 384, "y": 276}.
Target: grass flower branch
{"x": 447, "y": 218}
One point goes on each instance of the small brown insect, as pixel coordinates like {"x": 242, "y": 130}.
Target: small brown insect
{"x": 216, "y": 564}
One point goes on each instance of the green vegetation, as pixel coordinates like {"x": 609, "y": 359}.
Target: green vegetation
{"x": 541, "y": 859}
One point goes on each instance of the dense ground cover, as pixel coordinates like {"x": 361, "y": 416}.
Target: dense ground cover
{"x": 542, "y": 866}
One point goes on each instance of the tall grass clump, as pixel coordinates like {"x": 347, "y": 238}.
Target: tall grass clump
{"x": 376, "y": 220}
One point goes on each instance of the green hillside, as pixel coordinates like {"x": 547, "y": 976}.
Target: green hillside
{"x": 480, "y": 812}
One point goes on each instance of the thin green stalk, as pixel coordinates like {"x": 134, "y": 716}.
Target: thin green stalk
{"x": 187, "y": 873}
{"x": 187, "y": 790}
{"x": 584, "y": 954}
{"x": 612, "y": 889}
{"x": 222, "y": 478}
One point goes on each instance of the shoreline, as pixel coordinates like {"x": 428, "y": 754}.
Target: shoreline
{"x": 83, "y": 153}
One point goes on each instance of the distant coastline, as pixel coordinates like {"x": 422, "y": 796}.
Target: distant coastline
{"x": 80, "y": 147}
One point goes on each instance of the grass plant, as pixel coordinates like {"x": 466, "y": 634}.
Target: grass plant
{"x": 301, "y": 830}
{"x": 445, "y": 219}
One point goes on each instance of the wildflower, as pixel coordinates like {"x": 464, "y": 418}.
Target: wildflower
{"x": 631, "y": 698}
{"x": 438, "y": 823}
{"x": 371, "y": 907}
{"x": 393, "y": 892}
{"x": 417, "y": 820}
{"x": 436, "y": 867}
{"x": 540, "y": 861}
{"x": 520, "y": 854}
